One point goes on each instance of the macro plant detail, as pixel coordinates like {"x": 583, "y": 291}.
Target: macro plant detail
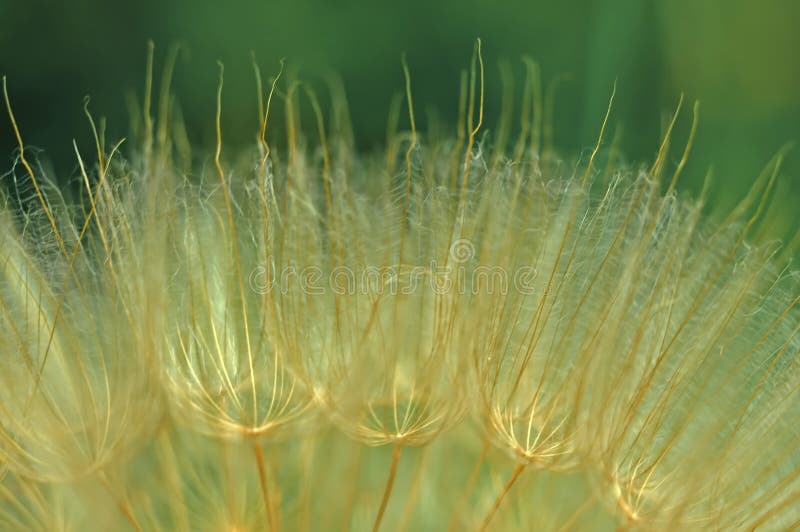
{"x": 534, "y": 343}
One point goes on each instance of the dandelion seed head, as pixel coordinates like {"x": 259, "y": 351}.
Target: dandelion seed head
{"x": 234, "y": 345}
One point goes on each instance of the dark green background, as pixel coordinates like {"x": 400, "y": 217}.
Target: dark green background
{"x": 740, "y": 58}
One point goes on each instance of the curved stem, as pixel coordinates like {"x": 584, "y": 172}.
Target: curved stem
{"x": 499, "y": 500}
{"x": 262, "y": 478}
{"x": 411, "y": 499}
{"x": 351, "y": 499}
{"x": 387, "y": 492}
{"x": 121, "y": 503}
{"x": 473, "y": 478}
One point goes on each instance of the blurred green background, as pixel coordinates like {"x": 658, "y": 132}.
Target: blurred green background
{"x": 741, "y": 59}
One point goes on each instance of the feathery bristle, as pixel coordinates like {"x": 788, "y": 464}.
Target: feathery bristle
{"x": 507, "y": 341}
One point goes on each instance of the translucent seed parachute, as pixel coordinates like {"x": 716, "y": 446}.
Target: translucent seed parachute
{"x": 460, "y": 332}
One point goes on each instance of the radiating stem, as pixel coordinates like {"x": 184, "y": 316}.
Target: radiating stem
{"x": 387, "y": 492}
{"x": 499, "y": 500}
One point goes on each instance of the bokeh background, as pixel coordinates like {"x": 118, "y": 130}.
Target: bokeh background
{"x": 740, "y": 58}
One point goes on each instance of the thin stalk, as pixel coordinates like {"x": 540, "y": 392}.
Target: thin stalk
{"x": 411, "y": 500}
{"x": 262, "y": 478}
{"x": 351, "y": 500}
{"x": 473, "y": 478}
{"x": 121, "y": 503}
{"x": 514, "y": 476}
{"x": 387, "y": 492}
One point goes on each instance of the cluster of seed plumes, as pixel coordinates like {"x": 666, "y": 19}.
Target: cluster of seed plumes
{"x": 464, "y": 333}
